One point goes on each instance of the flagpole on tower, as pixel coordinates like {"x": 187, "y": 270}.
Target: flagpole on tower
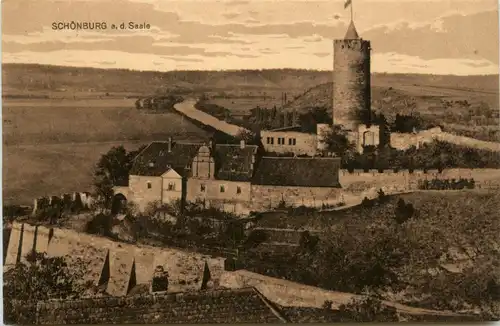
{"x": 352, "y": 15}
{"x": 348, "y": 3}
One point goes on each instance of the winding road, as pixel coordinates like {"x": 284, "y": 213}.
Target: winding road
{"x": 187, "y": 107}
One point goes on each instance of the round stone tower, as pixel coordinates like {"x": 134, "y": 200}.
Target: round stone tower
{"x": 351, "y": 80}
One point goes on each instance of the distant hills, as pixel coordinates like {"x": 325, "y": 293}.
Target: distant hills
{"x": 36, "y": 79}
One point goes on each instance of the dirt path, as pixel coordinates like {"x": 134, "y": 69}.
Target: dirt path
{"x": 187, "y": 107}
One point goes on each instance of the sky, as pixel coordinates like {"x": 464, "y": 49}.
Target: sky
{"x": 458, "y": 37}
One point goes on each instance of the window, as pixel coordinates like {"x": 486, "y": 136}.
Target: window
{"x": 202, "y": 188}
{"x": 238, "y": 190}
{"x": 281, "y": 141}
{"x": 222, "y": 188}
{"x": 171, "y": 186}
{"x": 270, "y": 140}
{"x": 149, "y": 185}
{"x": 292, "y": 141}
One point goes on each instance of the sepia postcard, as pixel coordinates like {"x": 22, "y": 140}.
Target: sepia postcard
{"x": 250, "y": 161}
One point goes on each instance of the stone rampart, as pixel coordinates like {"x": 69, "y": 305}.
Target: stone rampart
{"x": 15, "y": 241}
{"x": 403, "y": 141}
{"x": 47, "y": 202}
{"x": 360, "y": 180}
{"x": 264, "y": 197}
{"x": 185, "y": 268}
{"x": 292, "y": 294}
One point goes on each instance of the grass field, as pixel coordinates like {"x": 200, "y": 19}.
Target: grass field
{"x": 50, "y": 146}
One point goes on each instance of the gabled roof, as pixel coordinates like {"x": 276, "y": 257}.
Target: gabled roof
{"x": 155, "y": 159}
{"x": 231, "y": 161}
{"x": 234, "y": 163}
{"x": 245, "y": 305}
{"x": 298, "y": 172}
{"x": 351, "y": 33}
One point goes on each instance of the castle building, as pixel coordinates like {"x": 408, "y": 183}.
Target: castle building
{"x": 231, "y": 177}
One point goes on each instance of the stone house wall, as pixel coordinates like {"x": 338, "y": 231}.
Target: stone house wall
{"x": 304, "y": 143}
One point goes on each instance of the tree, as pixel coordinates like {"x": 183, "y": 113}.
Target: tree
{"x": 147, "y": 104}
{"x": 138, "y": 105}
{"x": 41, "y": 278}
{"x": 369, "y": 309}
{"x": 404, "y": 211}
{"x": 382, "y": 197}
{"x": 111, "y": 170}
{"x": 308, "y": 242}
{"x": 336, "y": 141}
{"x": 312, "y": 117}
{"x": 249, "y": 137}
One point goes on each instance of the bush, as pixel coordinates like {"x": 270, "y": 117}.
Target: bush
{"x": 368, "y": 310}
{"x": 382, "y": 197}
{"x": 101, "y": 224}
{"x": 366, "y": 203}
{"x": 404, "y": 211}
{"x": 307, "y": 241}
{"x": 447, "y": 184}
{"x": 255, "y": 238}
{"x": 13, "y": 211}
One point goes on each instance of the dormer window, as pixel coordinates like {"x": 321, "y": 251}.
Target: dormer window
{"x": 151, "y": 164}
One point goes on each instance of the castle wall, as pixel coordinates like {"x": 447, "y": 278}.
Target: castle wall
{"x": 359, "y": 182}
{"x": 229, "y": 200}
{"x": 28, "y": 241}
{"x": 140, "y": 194}
{"x": 404, "y": 141}
{"x": 270, "y": 196}
{"x": 13, "y": 246}
{"x": 304, "y": 143}
{"x": 351, "y": 80}
{"x": 185, "y": 268}
{"x": 42, "y": 239}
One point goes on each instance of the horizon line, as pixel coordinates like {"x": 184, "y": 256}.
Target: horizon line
{"x": 231, "y": 70}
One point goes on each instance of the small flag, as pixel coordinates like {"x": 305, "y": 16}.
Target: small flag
{"x": 347, "y": 3}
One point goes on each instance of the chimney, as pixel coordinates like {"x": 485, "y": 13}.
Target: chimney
{"x": 169, "y": 144}
{"x": 242, "y": 143}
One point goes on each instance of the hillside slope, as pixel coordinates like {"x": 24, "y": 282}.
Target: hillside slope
{"x": 433, "y": 260}
{"x": 461, "y": 110}
{"x": 33, "y": 78}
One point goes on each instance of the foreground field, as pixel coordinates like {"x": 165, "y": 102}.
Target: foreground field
{"x": 67, "y": 121}
{"x": 51, "y": 146}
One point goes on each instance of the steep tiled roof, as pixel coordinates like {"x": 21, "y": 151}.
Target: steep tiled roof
{"x": 351, "y": 33}
{"x": 215, "y": 306}
{"x": 299, "y": 172}
{"x": 232, "y": 162}
{"x": 155, "y": 159}
{"x": 235, "y": 163}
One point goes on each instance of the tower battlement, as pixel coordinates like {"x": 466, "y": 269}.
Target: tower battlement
{"x": 355, "y": 45}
